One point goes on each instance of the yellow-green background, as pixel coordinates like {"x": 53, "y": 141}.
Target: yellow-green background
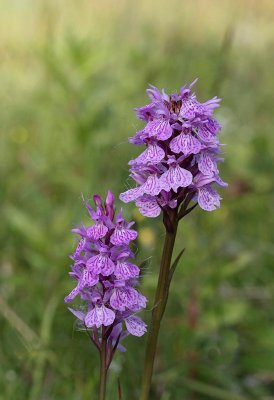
{"x": 71, "y": 73}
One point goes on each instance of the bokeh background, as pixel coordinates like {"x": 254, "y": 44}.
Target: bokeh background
{"x": 71, "y": 73}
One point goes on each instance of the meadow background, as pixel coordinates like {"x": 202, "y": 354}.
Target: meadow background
{"x": 71, "y": 73}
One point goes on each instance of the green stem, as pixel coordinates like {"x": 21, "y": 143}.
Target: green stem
{"x": 159, "y": 308}
{"x": 103, "y": 369}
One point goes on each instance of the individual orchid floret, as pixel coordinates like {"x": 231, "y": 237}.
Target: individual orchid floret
{"x": 181, "y": 142}
{"x": 106, "y": 278}
{"x": 175, "y": 176}
{"x": 208, "y": 198}
{"x": 122, "y": 233}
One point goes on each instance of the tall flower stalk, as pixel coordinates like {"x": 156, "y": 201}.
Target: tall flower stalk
{"x": 106, "y": 282}
{"x": 176, "y": 172}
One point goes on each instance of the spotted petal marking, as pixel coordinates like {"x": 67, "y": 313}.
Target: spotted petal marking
{"x": 135, "y": 326}
{"x": 206, "y": 135}
{"x": 176, "y": 177}
{"x": 100, "y": 264}
{"x": 98, "y": 316}
{"x": 208, "y": 198}
{"x": 123, "y": 236}
{"x": 140, "y": 302}
{"x": 153, "y": 154}
{"x": 125, "y": 270}
{"x": 152, "y": 186}
{"x": 123, "y": 298}
{"x": 186, "y": 144}
{"x": 207, "y": 164}
{"x": 190, "y": 107}
{"x": 97, "y": 231}
{"x": 158, "y": 128}
{"x": 88, "y": 279}
{"x": 148, "y": 206}
{"x": 130, "y": 195}
{"x": 213, "y": 126}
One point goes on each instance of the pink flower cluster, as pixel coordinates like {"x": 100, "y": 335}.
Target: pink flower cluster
{"x": 105, "y": 277}
{"x": 180, "y": 161}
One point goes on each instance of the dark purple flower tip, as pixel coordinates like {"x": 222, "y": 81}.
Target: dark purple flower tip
{"x": 110, "y": 206}
{"x": 97, "y": 200}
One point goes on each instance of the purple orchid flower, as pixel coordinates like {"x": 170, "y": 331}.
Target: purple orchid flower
{"x": 181, "y": 139}
{"x": 106, "y": 278}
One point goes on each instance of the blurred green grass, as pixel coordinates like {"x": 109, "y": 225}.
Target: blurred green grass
{"x": 71, "y": 73}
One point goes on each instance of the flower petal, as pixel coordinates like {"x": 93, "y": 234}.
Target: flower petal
{"x": 152, "y": 186}
{"x": 206, "y": 135}
{"x": 100, "y": 264}
{"x": 190, "y": 107}
{"x": 123, "y": 297}
{"x": 80, "y": 247}
{"x": 97, "y": 231}
{"x": 213, "y": 126}
{"x": 88, "y": 279}
{"x": 78, "y": 314}
{"x": 207, "y": 164}
{"x": 125, "y": 270}
{"x": 72, "y": 294}
{"x": 140, "y": 302}
{"x": 123, "y": 236}
{"x": 98, "y": 316}
{"x": 220, "y": 182}
{"x": 208, "y": 198}
{"x": 185, "y": 143}
{"x": 130, "y": 195}
{"x": 203, "y": 180}
{"x": 135, "y": 325}
{"x": 176, "y": 177}
{"x": 153, "y": 154}
{"x": 146, "y": 112}
{"x": 148, "y": 206}
{"x": 158, "y": 128}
